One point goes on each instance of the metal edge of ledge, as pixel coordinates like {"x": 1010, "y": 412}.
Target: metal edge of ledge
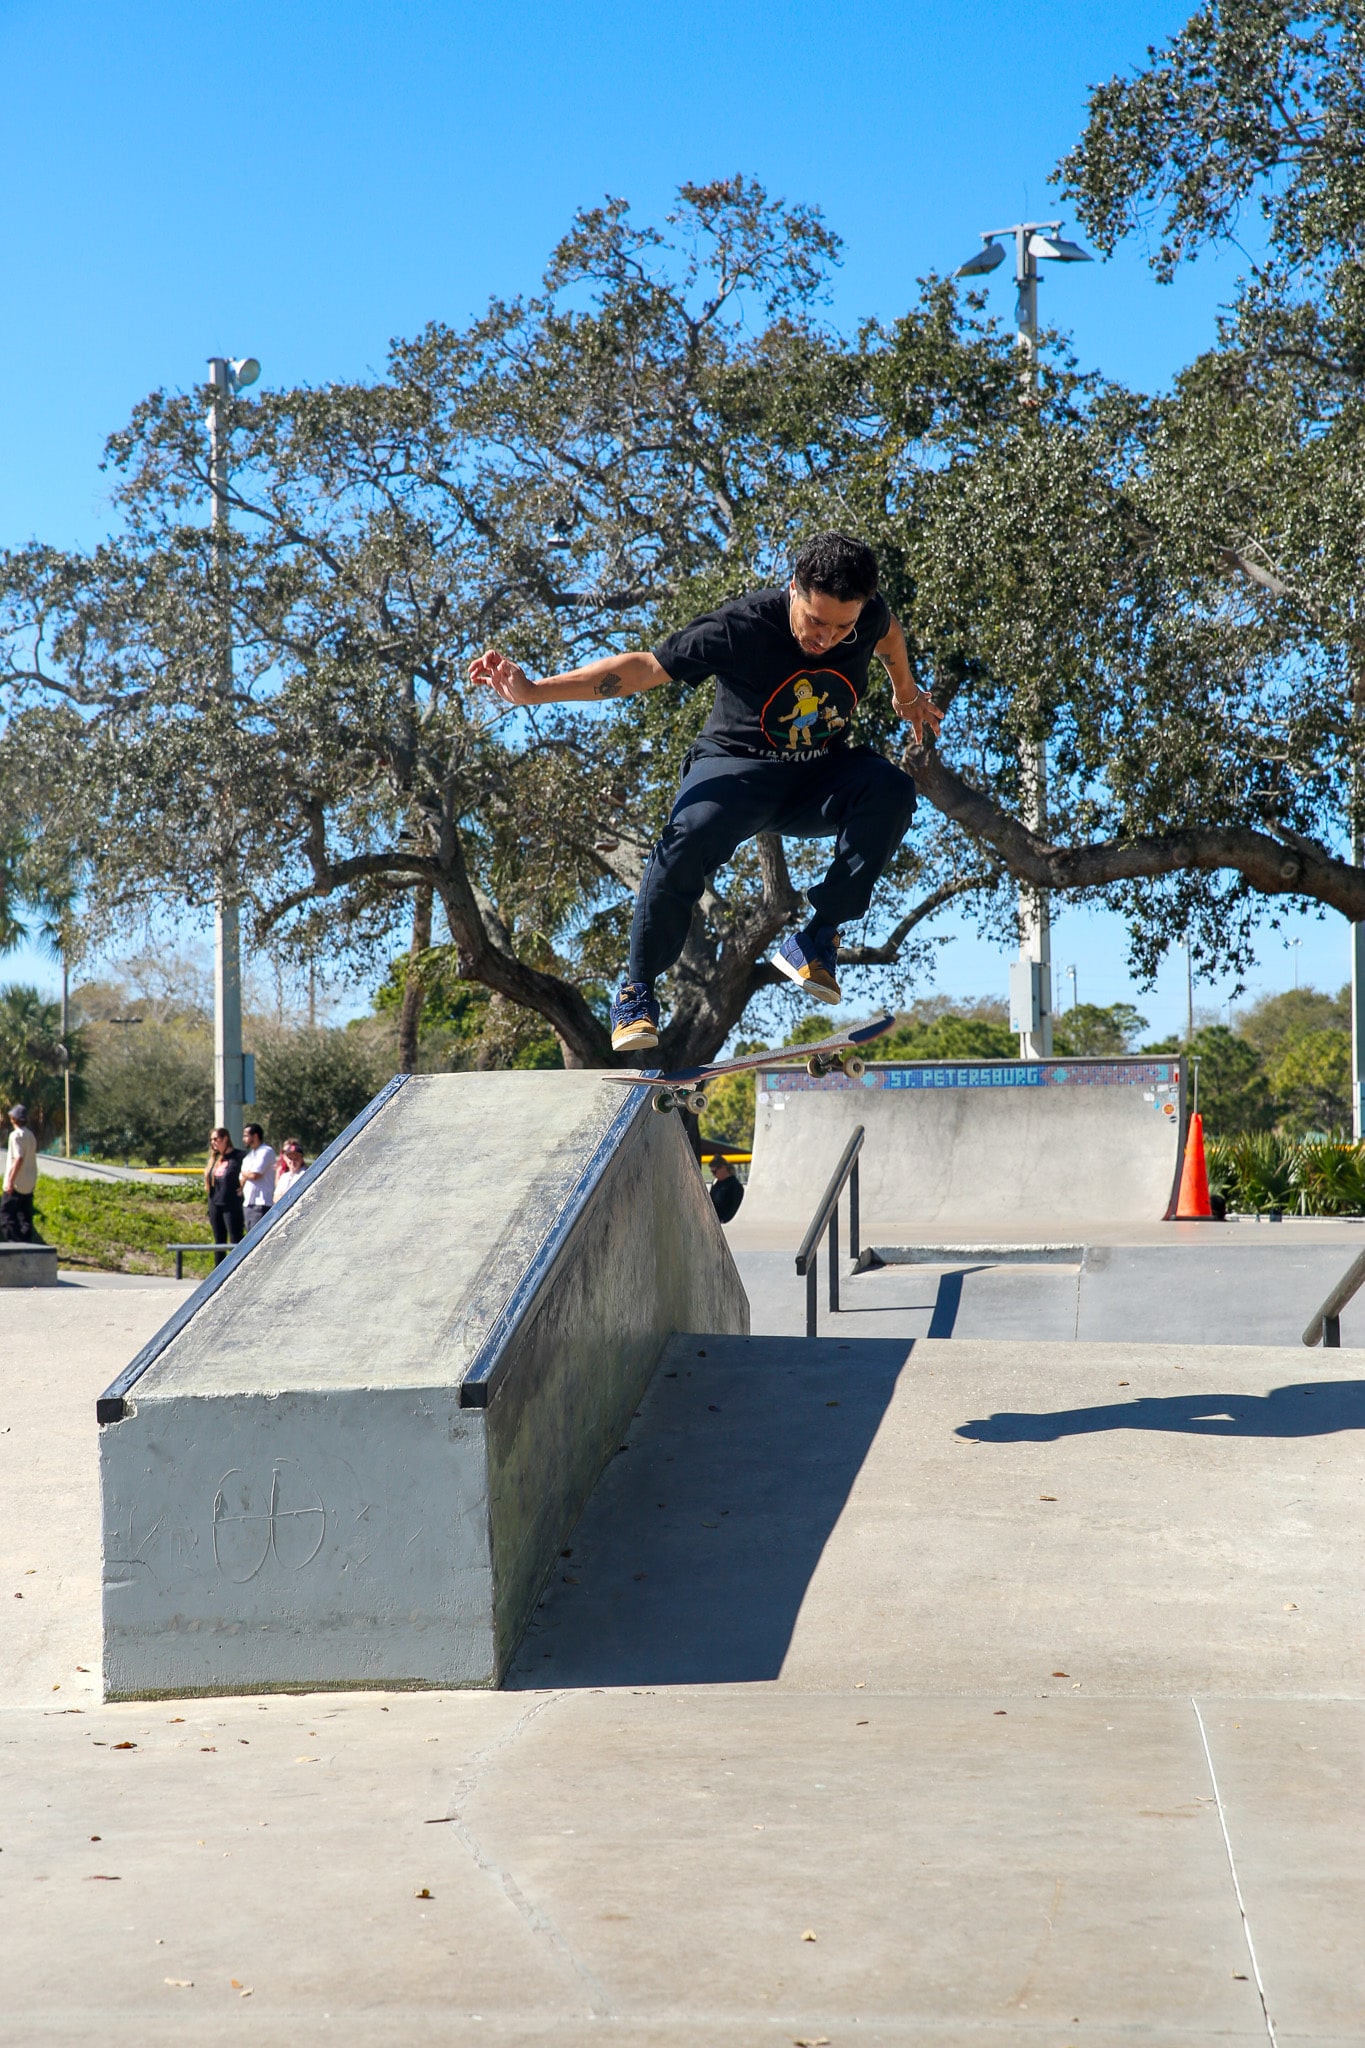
{"x": 111, "y": 1405}
{"x": 481, "y": 1381}
{"x": 965, "y": 1254}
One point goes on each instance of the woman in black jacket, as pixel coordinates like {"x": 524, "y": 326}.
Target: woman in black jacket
{"x": 223, "y": 1186}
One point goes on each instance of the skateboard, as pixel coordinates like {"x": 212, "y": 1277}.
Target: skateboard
{"x": 687, "y": 1088}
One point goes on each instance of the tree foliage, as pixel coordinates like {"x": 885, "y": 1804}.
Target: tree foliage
{"x": 1163, "y": 590}
{"x": 32, "y": 1065}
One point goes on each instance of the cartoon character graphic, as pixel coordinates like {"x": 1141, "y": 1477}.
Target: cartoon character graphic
{"x": 819, "y": 703}
{"x": 807, "y": 713}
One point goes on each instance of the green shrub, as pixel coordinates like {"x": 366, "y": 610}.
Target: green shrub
{"x": 1332, "y": 1179}
{"x": 148, "y": 1094}
{"x": 1267, "y": 1171}
{"x": 1271, "y": 1171}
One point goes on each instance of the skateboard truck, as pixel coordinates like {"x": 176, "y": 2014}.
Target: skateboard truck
{"x": 694, "y": 1100}
{"x": 819, "y": 1064}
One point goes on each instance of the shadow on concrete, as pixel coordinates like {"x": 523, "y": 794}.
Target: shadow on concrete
{"x": 693, "y": 1557}
{"x": 1317, "y": 1408}
{"x": 948, "y": 1300}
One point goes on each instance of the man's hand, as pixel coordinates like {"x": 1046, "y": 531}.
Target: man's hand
{"x": 495, "y": 672}
{"x": 918, "y": 712}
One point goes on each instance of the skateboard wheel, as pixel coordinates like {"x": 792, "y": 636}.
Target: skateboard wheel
{"x": 697, "y": 1102}
{"x": 663, "y": 1101}
{"x": 815, "y": 1068}
{"x": 854, "y": 1067}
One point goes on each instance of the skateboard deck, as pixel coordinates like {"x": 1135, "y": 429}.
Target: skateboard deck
{"x": 687, "y": 1088}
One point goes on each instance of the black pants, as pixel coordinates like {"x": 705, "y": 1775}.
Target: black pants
{"x": 225, "y": 1221}
{"x": 854, "y": 796}
{"x": 16, "y": 1219}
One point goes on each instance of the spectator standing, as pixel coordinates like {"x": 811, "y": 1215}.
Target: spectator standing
{"x": 258, "y": 1175}
{"x": 223, "y": 1186}
{"x": 727, "y": 1189}
{"x": 21, "y": 1181}
{"x": 292, "y": 1167}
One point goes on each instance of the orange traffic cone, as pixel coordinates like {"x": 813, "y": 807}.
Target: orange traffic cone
{"x": 1192, "y": 1203}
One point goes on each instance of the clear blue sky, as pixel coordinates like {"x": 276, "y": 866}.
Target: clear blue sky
{"x": 302, "y": 183}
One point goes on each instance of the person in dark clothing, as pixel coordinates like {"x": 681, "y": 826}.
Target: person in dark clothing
{"x": 223, "y": 1186}
{"x": 727, "y": 1189}
{"x": 790, "y": 666}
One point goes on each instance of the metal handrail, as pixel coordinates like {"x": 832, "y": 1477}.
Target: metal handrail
{"x": 1326, "y": 1324}
{"x": 826, "y": 1218}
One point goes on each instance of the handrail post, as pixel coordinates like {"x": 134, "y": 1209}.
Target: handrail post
{"x": 1325, "y": 1328}
{"x": 854, "y": 1240}
{"x": 833, "y": 1256}
{"x": 825, "y": 1222}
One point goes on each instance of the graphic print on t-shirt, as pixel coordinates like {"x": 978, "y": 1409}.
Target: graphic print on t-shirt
{"x": 808, "y": 710}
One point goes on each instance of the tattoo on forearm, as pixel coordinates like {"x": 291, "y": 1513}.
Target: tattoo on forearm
{"x": 608, "y": 685}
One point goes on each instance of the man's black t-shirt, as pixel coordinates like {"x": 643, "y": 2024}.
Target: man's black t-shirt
{"x": 771, "y": 700}
{"x": 726, "y": 1196}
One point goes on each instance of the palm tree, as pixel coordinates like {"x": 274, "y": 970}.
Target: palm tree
{"x": 33, "y": 1056}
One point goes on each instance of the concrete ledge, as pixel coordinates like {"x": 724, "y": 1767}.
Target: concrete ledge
{"x": 297, "y": 1491}
{"x": 28, "y": 1265}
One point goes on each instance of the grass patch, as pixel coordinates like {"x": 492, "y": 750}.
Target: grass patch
{"x": 121, "y": 1226}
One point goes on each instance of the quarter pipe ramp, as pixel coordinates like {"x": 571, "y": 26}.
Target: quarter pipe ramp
{"x": 1032, "y": 1149}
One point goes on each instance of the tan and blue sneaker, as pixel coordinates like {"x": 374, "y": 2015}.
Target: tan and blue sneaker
{"x": 809, "y": 958}
{"x": 634, "y": 1019}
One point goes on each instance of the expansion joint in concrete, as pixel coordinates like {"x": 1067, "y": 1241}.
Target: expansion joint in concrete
{"x": 536, "y": 1920}
{"x": 1236, "y": 1881}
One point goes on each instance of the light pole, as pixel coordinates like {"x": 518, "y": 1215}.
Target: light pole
{"x": 1072, "y": 974}
{"x": 1035, "y": 242}
{"x": 1293, "y": 945}
{"x": 227, "y": 376}
{"x": 66, "y": 1053}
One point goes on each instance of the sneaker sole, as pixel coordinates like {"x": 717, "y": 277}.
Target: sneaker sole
{"x": 804, "y": 983}
{"x": 630, "y": 1038}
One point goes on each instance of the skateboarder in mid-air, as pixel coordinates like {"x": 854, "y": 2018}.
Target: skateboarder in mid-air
{"x": 790, "y": 666}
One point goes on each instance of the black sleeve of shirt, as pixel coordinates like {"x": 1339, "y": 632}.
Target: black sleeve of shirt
{"x": 879, "y": 612}
{"x": 696, "y": 651}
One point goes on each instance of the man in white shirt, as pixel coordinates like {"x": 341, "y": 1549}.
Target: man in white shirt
{"x": 21, "y": 1179}
{"x": 258, "y": 1175}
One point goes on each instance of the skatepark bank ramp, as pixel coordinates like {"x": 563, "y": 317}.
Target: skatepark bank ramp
{"x": 1032, "y": 1148}
{"x": 351, "y": 1457}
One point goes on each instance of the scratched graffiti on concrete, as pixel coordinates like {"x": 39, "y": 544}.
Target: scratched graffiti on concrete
{"x": 255, "y": 1518}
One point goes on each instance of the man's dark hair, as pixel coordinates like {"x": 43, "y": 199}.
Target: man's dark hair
{"x": 839, "y": 566}
{"x": 249, "y": 1129}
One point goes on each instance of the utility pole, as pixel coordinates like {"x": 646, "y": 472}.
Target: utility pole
{"x": 1035, "y": 241}
{"x": 66, "y": 1054}
{"x": 226, "y": 377}
{"x": 1189, "y": 990}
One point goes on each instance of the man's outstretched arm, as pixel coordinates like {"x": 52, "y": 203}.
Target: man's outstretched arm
{"x": 915, "y": 705}
{"x": 619, "y": 675}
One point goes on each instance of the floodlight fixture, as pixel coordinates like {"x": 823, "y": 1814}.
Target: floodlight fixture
{"x": 985, "y": 260}
{"x": 246, "y": 369}
{"x": 1056, "y": 249}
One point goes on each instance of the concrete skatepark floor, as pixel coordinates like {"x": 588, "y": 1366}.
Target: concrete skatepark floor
{"x": 1011, "y": 1671}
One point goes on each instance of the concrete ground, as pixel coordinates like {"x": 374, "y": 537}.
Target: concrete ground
{"x": 889, "y": 1692}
